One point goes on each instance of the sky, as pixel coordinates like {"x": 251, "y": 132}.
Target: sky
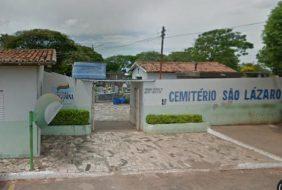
{"x": 110, "y": 25}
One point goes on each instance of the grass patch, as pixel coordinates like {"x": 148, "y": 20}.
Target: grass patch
{"x": 167, "y": 119}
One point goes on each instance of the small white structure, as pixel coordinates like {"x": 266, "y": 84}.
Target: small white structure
{"x": 21, "y": 81}
{"x": 149, "y": 70}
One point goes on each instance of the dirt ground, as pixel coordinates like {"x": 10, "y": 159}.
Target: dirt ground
{"x": 265, "y": 137}
{"x": 266, "y": 179}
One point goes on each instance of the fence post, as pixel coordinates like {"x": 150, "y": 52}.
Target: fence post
{"x": 31, "y": 167}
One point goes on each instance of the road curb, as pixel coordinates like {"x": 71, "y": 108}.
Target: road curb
{"x": 61, "y": 175}
{"x": 48, "y": 175}
{"x": 253, "y": 166}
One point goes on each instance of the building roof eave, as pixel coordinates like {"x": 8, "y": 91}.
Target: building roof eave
{"x": 135, "y": 65}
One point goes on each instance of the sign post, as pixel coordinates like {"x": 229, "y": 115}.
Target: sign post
{"x": 31, "y": 119}
{"x": 46, "y": 108}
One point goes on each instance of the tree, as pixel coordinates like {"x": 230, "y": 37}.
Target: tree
{"x": 180, "y": 56}
{"x": 5, "y": 40}
{"x": 271, "y": 53}
{"x": 149, "y": 56}
{"x": 117, "y": 62}
{"x": 221, "y": 45}
{"x": 250, "y": 67}
{"x": 82, "y": 53}
{"x": 67, "y": 50}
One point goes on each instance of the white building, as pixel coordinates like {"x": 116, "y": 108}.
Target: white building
{"x": 21, "y": 84}
{"x": 149, "y": 70}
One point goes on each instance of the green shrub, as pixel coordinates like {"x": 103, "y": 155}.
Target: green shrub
{"x": 167, "y": 119}
{"x": 127, "y": 100}
{"x": 71, "y": 117}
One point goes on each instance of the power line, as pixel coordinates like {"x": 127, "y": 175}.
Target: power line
{"x": 113, "y": 47}
{"x": 102, "y": 47}
{"x": 232, "y": 27}
{"x": 103, "y": 42}
{"x": 250, "y": 24}
{"x": 131, "y": 43}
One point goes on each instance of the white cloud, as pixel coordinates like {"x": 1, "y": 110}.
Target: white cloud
{"x": 117, "y": 22}
{"x": 71, "y": 22}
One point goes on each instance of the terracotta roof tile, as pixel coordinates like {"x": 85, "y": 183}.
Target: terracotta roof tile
{"x": 185, "y": 67}
{"x": 27, "y": 57}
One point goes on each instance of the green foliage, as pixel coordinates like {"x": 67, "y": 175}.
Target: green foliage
{"x": 180, "y": 56}
{"x": 249, "y": 67}
{"x": 167, "y": 119}
{"x": 149, "y": 56}
{"x": 127, "y": 100}
{"x": 38, "y": 39}
{"x": 221, "y": 45}
{"x": 67, "y": 50}
{"x": 117, "y": 62}
{"x": 82, "y": 53}
{"x": 271, "y": 53}
{"x": 71, "y": 117}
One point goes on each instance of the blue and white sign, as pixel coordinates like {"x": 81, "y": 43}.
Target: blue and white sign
{"x": 87, "y": 70}
{"x": 65, "y": 93}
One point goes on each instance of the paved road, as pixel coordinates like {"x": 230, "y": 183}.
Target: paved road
{"x": 265, "y": 137}
{"x": 215, "y": 180}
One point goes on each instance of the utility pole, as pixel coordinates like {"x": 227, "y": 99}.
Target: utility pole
{"x": 162, "y": 51}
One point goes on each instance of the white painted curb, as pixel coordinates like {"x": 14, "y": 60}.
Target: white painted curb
{"x": 52, "y": 174}
{"x": 229, "y": 139}
{"x": 60, "y": 175}
{"x": 48, "y": 174}
{"x": 246, "y": 166}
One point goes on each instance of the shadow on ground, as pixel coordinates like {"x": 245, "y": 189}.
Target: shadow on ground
{"x": 113, "y": 125}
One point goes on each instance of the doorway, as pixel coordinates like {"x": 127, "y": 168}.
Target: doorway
{"x": 115, "y": 105}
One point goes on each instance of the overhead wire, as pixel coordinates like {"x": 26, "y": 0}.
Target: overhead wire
{"x": 232, "y": 27}
{"x": 103, "y": 47}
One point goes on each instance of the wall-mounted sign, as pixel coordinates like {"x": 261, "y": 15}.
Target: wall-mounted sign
{"x": 203, "y": 91}
{"x": 65, "y": 92}
{"x": 85, "y": 70}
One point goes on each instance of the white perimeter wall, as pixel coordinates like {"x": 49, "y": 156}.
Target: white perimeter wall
{"x": 250, "y": 101}
{"x": 22, "y": 87}
{"x": 81, "y": 90}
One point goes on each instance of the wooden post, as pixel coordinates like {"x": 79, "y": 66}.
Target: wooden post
{"x": 162, "y": 51}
